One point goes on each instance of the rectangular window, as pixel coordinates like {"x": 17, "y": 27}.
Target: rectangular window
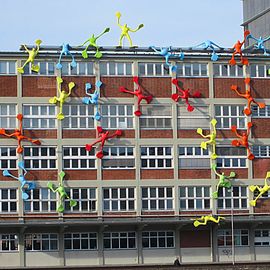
{"x": 78, "y": 158}
{"x": 194, "y": 198}
{"x": 156, "y": 117}
{"x": 192, "y": 120}
{"x": 163, "y": 239}
{"x": 85, "y": 198}
{"x": 39, "y": 116}
{"x": 153, "y": 69}
{"x": 236, "y": 198}
{"x": 157, "y": 198}
{"x": 261, "y": 151}
{"x": 262, "y": 238}
{"x": 115, "y": 68}
{"x": 192, "y": 70}
{"x": 7, "y": 67}
{"x": 226, "y": 70}
{"x": 8, "y": 242}
{"x": 240, "y": 238}
{"x": 117, "y": 116}
{"x": 45, "y": 68}
{"x": 41, "y": 242}
{"x": 78, "y": 116}
{"x": 118, "y": 158}
{"x": 80, "y": 241}
{"x": 119, "y": 240}
{"x": 82, "y": 68}
{"x": 8, "y": 114}
{"x": 8, "y": 158}
{"x": 193, "y": 157}
{"x": 231, "y": 157}
{"x": 40, "y": 157}
{"x": 8, "y": 200}
{"x": 40, "y": 200}
{"x": 156, "y": 157}
{"x": 259, "y": 71}
{"x": 230, "y": 115}
{"x": 118, "y": 199}
{"x": 258, "y": 112}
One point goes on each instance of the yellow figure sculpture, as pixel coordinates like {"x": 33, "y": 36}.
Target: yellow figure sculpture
{"x": 204, "y": 219}
{"x": 31, "y": 57}
{"x": 125, "y": 29}
{"x": 212, "y": 139}
{"x": 261, "y": 190}
{"x": 63, "y": 95}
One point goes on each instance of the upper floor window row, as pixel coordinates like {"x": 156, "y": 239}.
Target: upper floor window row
{"x": 225, "y": 70}
{"x": 259, "y": 71}
{"x": 7, "y": 67}
{"x": 115, "y": 68}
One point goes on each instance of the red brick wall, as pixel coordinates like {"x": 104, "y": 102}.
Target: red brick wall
{"x": 81, "y": 174}
{"x": 157, "y": 174}
{"x": 5, "y": 178}
{"x": 226, "y": 133}
{"x": 8, "y": 86}
{"x": 202, "y": 239}
{"x": 195, "y": 84}
{"x": 39, "y": 86}
{"x": 46, "y": 175}
{"x": 241, "y": 173}
{"x": 156, "y": 133}
{"x": 158, "y": 213}
{"x": 78, "y": 133}
{"x": 191, "y": 133}
{"x": 260, "y": 167}
{"x": 118, "y": 214}
{"x": 262, "y": 206}
{"x": 235, "y": 212}
{"x": 261, "y": 128}
{"x": 35, "y": 133}
{"x": 118, "y": 174}
{"x": 157, "y": 87}
{"x": 194, "y": 213}
{"x": 222, "y": 87}
{"x": 194, "y": 174}
{"x": 260, "y": 88}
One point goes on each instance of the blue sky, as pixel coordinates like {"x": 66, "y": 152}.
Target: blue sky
{"x": 176, "y": 23}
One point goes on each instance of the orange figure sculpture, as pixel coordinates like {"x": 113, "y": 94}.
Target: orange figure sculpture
{"x": 103, "y": 136}
{"x": 247, "y": 96}
{"x": 185, "y": 95}
{"x": 238, "y": 50}
{"x": 18, "y": 135}
{"x": 139, "y": 94}
{"x": 243, "y": 139}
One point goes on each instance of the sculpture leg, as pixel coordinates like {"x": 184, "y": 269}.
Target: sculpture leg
{"x": 84, "y": 52}
{"x": 214, "y": 155}
{"x": 138, "y": 111}
{"x": 59, "y": 65}
{"x": 21, "y": 69}
{"x": 129, "y": 39}
{"x": 120, "y": 41}
{"x": 60, "y": 115}
{"x": 53, "y": 100}
{"x": 232, "y": 62}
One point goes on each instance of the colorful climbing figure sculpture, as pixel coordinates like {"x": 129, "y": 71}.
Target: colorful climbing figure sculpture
{"x": 259, "y": 45}
{"x": 184, "y": 94}
{"x": 208, "y": 44}
{"x": 31, "y": 57}
{"x": 203, "y": 220}
{"x": 63, "y": 95}
{"x": 103, "y": 136}
{"x": 224, "y": 181}
{"x": 125, "y": 30}
{"x": 138, "y": 93}
{"x": 243, "y": 140}
{"x": 18, "y": 135}
{"x": 25, "y": 185}
{"x": 93, "y": 98}
{"x": 66, "y": 51}
{"x": 247, "y": 95}
{"x": 61, "y": 193}
{"x": 212, "y": 138}
{"x": 92, "y": 41}
{"x": 261, "y": 190}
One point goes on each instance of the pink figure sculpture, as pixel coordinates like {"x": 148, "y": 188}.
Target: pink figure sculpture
{"x": 138, "y": 92}
{"x": 185, "y": 94}
{"x": 238, "y": 50}
{"x": 243, "y": 139}
{"x": 247, "y": 96}
{"x": 18, "y": 135}
{"x": 103, "y": 136}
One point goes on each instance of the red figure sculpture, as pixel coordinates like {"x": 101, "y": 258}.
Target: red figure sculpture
{"x": 139, "y": 94}
{"x": 103, "y": 136}
{"x": 185, "y": 94}
{"x": 238, "y": 50}
{"x": 243, "y": 139}
{"x": 247, "y": 96}
{"x": 18, "y": 135}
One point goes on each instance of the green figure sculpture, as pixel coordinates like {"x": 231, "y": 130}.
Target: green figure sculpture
{"x": 212, "y": 138}
{"x": 125, "y": 29}
{"x": 31, "y": 57}
{"x": 223, "y": 180}
{"x": 93, "y": 42}
{"x": 261, "y": 190}
{"x": 63, "y": 95}
{"x": 204, "y": 219}
{"x": 62, "y": 194}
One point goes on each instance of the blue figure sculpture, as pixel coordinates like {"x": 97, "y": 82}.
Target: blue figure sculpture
{"x": 260, "y": 43}
{"x": 166, "y": 53}
{"x": 208, "y": 44}
{"x": 25, "y": 185}
{"x": 93, "y": 98}
{"x": 66, "y": 51}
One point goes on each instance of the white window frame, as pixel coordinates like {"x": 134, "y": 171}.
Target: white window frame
{"x": 28, "y": 70}
{"x": 162, "y": 65}
{"x": 156, "y": 157}
{"x": 147, "y": 236}
{"x": 232, "y": 160}
{"x": 40, "y": 158}
{"x": 40, "y": 237}
{"x": 158, "y": 198}
{"x": 262, "y": 238}
{"x": 8, "y": 67}
{"x": 257, "y": 70}
{"x": 220, "y": 74}
{"x": 238, "y": 234}
{"x": 11, "y": 160}
{"x": 75, "y": 71}
{"x": 111, "y": 200}
{"x": 261, "y": 151}
{"x": 124, "y": 236}
{"x": 88, "y": 157}
{"x": 10, "y": 116}
{"x": 9, "y": 201}
{"x": 108, "y": 63}
{"x": 80, "y": 237}
{"x": 258, "y": 112}
{"x": 10, "y": 240}
{"x": 182, "y": 67}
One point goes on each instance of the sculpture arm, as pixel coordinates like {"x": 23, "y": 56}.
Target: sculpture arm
{"x": 136, "y": 29}
{"x": 213, "y": 43}
{"x": 155, "y": 49}
{"x": 105, "y": 31}
{"x": 26, "y": 48}
{"x": 84, "y": 43}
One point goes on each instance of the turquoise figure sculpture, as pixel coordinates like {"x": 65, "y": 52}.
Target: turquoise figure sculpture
{"x": 66, "y": 51}
{"x": 208, "y": 44}
{"x": 259, "y": 45}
